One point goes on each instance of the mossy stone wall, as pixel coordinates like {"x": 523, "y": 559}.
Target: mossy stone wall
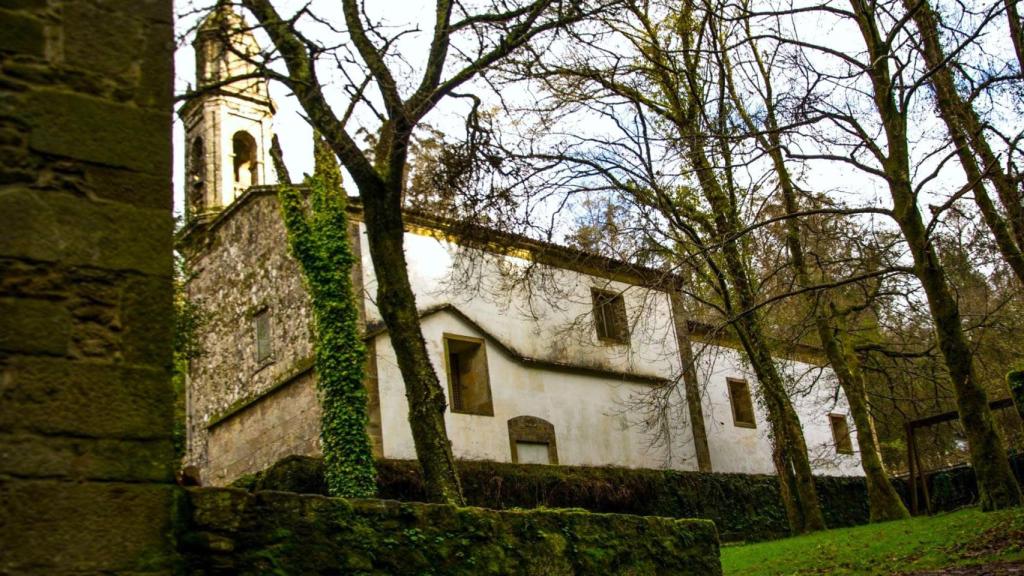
{"x": 233, "y": 531}
{"x": 743, "y": 506}
{"x": 86, "y": 402}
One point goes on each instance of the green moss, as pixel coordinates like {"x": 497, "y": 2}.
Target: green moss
{"x": 319, "y": 241}
{"x": 289, "y": 533}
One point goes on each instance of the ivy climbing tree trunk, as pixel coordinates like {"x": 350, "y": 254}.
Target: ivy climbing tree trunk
{"x": 318, "y": 236}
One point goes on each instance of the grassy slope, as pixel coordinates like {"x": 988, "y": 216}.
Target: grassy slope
{"x": 954, "y": 539}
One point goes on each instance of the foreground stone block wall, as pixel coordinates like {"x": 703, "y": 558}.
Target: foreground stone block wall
{"x": 85, "y": 289}
{"x": 235, "y": 532}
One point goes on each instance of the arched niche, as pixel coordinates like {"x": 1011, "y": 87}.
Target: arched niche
{"x": 243, "y": 147}
{"x": 528, "y": 436}
{"x": 197, "y": 176}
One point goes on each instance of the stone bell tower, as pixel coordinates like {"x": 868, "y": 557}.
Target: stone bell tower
{"x": 228, "y": 122}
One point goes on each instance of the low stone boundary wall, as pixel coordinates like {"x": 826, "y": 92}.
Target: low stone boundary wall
{"x": 232, "y": 531}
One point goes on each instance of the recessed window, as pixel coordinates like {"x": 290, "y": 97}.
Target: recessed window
{"x": 469, "y": 386}
{"x": 610, "y": 316}
{"x": 243, "y": 147}
{"x": 533, "y": 453}
{"x": 742, "y": 405}
{"x": 841, "y": 433}
{"x": 197, "y": 176}
{"x": 261, "y": 324}
{"x": 532, "y": 440}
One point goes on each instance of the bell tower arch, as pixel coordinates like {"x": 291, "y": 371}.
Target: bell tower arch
{"x": 228, "y": 121}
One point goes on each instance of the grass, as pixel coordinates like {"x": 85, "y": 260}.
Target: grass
{"x": 955, "y": 539}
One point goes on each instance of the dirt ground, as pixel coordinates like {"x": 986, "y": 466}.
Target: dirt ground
{"x": 996, "y": 569}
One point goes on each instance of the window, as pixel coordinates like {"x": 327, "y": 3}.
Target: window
{"x": 243, "y": 146}
{"x": 532, "y": 440}
{"x": 610, "y": 316}
{"x": 742, "y": 406}
{"x": 532, "y": 453}
{"x": 197, "y": 177}
{"x": 841, "y": 433}
{"x": 261, "y": 323}
{"x": 469, "y": 386}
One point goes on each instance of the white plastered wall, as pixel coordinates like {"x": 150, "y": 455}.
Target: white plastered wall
{"x": 593, "y": 424}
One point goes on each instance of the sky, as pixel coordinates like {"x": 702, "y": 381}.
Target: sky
{"x": 295, "y": 135}
{"x": 289, "y": 125}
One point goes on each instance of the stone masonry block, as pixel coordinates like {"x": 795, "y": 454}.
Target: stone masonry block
{"x": 23, "y": 34}
{"x": 156, "y": 84}
{"x": 33, "y": 456}
{"x": 56, "y": 396}
{"x": 52, "y": 527}
{"x": 107, "y": 45}
{"x": 147, "y": 318}
{"x": 34, "y": 326}
{"x": 87, "y": 128}
{"x": 135, "y": 188}
{"x": 82, "y": 232}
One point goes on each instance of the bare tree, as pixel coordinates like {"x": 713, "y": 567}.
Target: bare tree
{"x": 885, "y": 503}
{"x": 462, "y": 45}
{"x": 967, "y": 130}
{"x": 669, "y": 84}
{"x": 887, "y": 72}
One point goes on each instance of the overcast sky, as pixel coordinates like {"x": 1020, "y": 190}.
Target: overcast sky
{"x": 295, "y": 134}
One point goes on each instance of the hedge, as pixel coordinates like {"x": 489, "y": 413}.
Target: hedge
{"x": 231, "y": 531}
{"x": 743, "y": 506}
{"x": 957, "y": 487}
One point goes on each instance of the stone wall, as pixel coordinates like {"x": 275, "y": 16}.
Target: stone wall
{"x": 86, "y": 478}
{"x": 285, "y": 421}
{"x": 235, "y": 532}
{"x": 239, "y": 266}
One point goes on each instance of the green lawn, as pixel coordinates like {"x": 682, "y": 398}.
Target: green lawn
{"x": 961, "y": 538}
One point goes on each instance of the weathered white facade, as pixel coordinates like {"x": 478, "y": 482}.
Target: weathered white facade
{"x": 595, "y": 416}
{"x": 544, "y": 360}
{"x": 560, "y": 372}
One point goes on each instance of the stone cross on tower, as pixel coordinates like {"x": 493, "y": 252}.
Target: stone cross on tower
{"x": 228, "y": 121}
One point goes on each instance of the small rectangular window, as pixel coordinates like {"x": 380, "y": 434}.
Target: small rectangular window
{"x": 742, "y": 406}
{"x": 533, "y": 453}
{"x": 261, "y": 323}
{"x": 610, "y": 316}
{"x": 841, "y": 433}
{"x": 468, "y": 382}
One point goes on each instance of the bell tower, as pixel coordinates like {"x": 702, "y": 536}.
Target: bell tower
{"x": 228, "y": 121}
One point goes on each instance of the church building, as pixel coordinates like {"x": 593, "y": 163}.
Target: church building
{"x": 567, "y": 373}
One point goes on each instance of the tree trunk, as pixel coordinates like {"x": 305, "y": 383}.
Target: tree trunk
{"x": 397, "y": 305}
{"x": 1016, "y": 32}
{"x": 884, "y": 502}
{"x": 691, "y": 386}
{"x": 996, "y": 484}
{"x": 785, "y": 422}
{"x": 960, "y": 118}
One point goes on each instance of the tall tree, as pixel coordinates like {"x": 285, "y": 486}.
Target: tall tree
{"x": 976, "y": 154}
{"x": 891, "y": 94}
{"x": 884, "y": 502}
{"x": 487, "y": 36}
{"x": 680, "y": 106}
